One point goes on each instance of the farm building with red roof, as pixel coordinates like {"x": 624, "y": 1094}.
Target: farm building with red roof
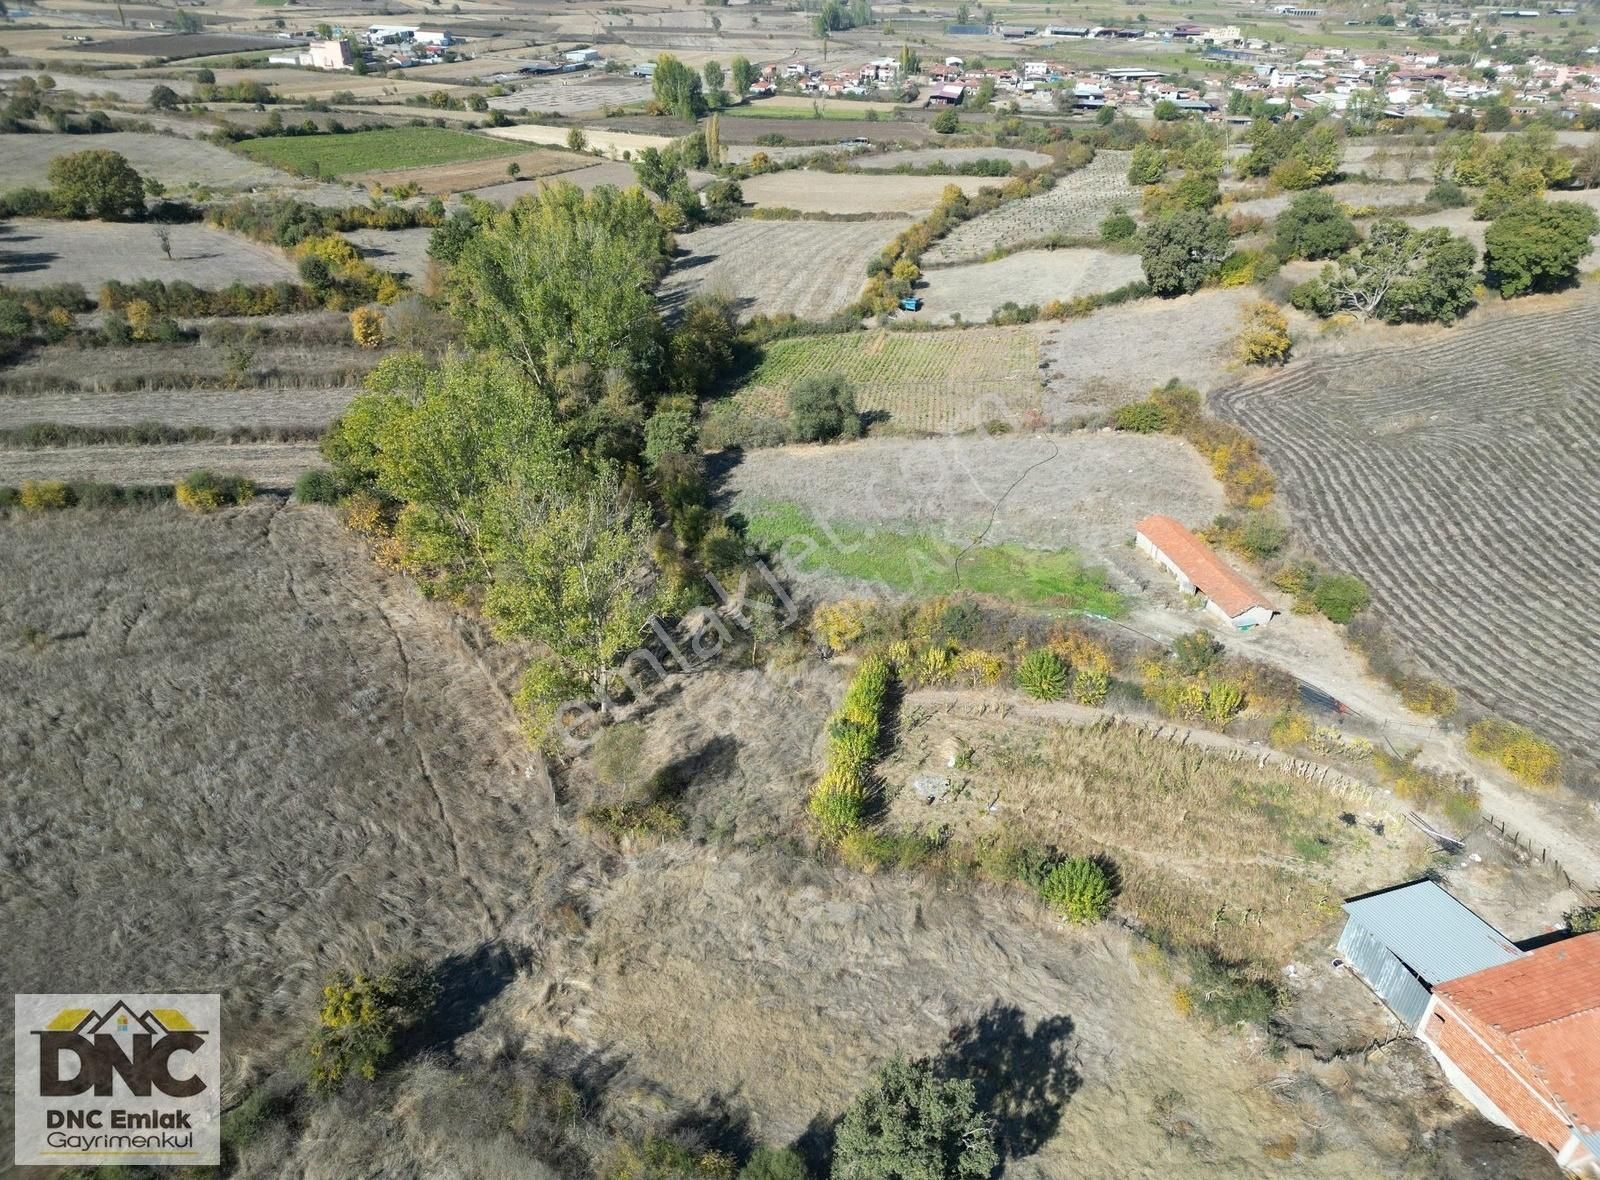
{"x": 1199, "y": 570}
{"x": 1522, "y": 1041}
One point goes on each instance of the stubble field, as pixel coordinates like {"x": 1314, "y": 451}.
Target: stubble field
{"x": 1075, "y": 207}
{"x": 1455, "y": 475}
{"x": 806, "y": 268}
{"x": 845, "y": 192}
{"x": 35, "y": 253}
{"x": 973, "y": 292}
{"x": 171, "y": 159}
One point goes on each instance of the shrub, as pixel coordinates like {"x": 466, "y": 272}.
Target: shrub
{"x": 727, "y": 424}
{"x": 1340, "y": 597}
{"x": 1447, "y": 193}
{"x": 318, "y": 486}
{"x": 823, "y": 408}
{"x": 206, "y": 491}
{"x": 1144, "y": 417}
{"x": 1224, "y": 994}
{"x": 909, "y": 1122}
{"x": 1078, "y": 889}
{"x": 359, "y": 1018}
{"x": 1290, "y": 729}
{"x": 1264, "y": 338}
{"x": 774, "y": 1163}
{"x": 43, "y": 495}
{"x": 1119, "y": 226}
{"x": 1042, "y": 675}
{"x": 1584, "y": 919}
{"x": 366, "y": 327}
{"x": 1528, "y": 758}
{"x": 1428, "y": 697}
{"x": 1195, "y": 652}
{"x": 839, "y": 625}
{"x": 668, "y": 432}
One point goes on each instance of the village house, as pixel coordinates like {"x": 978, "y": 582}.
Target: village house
{"x": 1200, "y": 571}
{"x": 1516, "y": 1032}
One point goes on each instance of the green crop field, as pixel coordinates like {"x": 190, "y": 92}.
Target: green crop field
{"x": 368, "y": 151}
{"x": 925, "y": 564}
{"x": 911, "y": 381}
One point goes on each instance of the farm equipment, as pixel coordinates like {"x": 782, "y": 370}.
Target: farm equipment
{"x": 910, "y": 303}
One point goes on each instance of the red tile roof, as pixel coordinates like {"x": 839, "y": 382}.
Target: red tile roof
{"x": 1203, "y": 567}
{"x": 1547, "y": 1003}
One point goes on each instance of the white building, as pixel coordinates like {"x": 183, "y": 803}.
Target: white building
{"x": 1199, "y": 570}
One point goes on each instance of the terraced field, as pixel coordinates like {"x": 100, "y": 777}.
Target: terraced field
{"x": 941, "y": 382}
{"x": 1457, "y": 477}
{"x": 1074, "y": 207}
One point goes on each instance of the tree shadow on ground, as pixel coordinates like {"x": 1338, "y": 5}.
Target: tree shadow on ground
{"x": 1023, "y": 1078}
{"x": 467, "y": 984}
{"x": 715, "y": 1125}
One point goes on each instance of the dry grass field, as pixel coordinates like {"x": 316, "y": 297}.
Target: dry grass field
{"x": 973, "y": 292}
{"x": 610, "y": 142}
{"x": 807, "y": 268}
{"x": 923, "y": 157}
{"x": 279, "y": 761}
{"x": 219, "y": 409}
{"x": 845, "y": 192}
{"x": 173, "y": 160}
{"x": 129, "y": 90}
{"x": 402, "y": 250}
{"x": 36, "y": 253}
{"x": 1075, "y": 207}
{"x": 577, "y": 95}
{"x": 445, "y": 179}
{"x": 268, "y": 465}
{"x": 920, "y": 382}
{"x": 1119, "y": 354}
{"x": 1454, "y": 473}
{"x": 1081, "y": 491}
{"x": 1352, "y": 194}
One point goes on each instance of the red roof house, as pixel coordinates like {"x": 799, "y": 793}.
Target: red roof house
{"x": 1522, "y": 1041}
{"x": 1199, "y": 570}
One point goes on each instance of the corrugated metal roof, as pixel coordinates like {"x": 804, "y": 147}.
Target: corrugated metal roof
{"x": 1431, "y": 932}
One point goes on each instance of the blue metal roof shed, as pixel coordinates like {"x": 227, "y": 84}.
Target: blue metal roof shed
{"x": 1405, "y": 940}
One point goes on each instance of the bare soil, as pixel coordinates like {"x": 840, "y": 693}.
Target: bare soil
{"x": 807, "y": 268}
{"x": 270, "y": 465}
{"x": 1083, "y": 490}
{"x": 1449, "y": 471}
{"x": 973, "y": 292}
{"x": 845, "y": 192}
{"x": 35, "y": 253}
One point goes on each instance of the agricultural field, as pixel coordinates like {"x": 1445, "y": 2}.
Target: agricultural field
{"x": 1075, "y": 207}
{"x": 845, "y": 192}
{"x": 404, "y": 251}
{"x": 216, "y": 409}
{"x": 366, "y": 151}
{"x": 608, "y": 141}
{"x": 910, "y": 382}
{"x": 1454, "y": 474}
{"x": 36, "y": 252}
{"x": 465, "y": 175}
{"x": 273, "y": 465}
{"x": 591, "y": 176}
{"x": 823, "y": 133}
{"x": 173, "y": 160}
{"x": 130, "y": 90}
{"x": 806, "y": 268}
{"x": 1118, "y": 354}
{"x": 173, "y": 46}
{"x": 573, "y": 95}
{"x": 1077, "y": 492}
{"x": 950, "y": 157}
{"x": 973, "y": 292}
{"x": 1354, "y": 194}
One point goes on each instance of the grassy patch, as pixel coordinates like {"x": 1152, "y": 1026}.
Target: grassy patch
{"x": 365, "y": 151}
{"x": 925, "y": 564}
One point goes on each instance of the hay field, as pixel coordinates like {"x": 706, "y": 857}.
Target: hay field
{"x": 573, "y": 95}
{"x": 38, "y": 252}
{"x": 931, "y": 382}
{"x": 464, "y": 175}
{"x": 218, "y": 409}
{"x": 973, "y": 292}
{"x": 173, "y": 160}
{"x": 1118, "y": 354}
{"x": 1454, "y": 473}
{"x": 279, "y": 761}
{"x": 1075, "y": 207}
{"x": 610, "y": 142}
{"x": 845, "y": 192}
{"x": 807, "y": 268}
{"x": 1080, "y": 491}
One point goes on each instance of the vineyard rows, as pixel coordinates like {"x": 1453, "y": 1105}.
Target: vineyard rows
{"x": 923, "y": 382}
{"x": 1075, "y": 207}
{"x": 1458, "y": 480}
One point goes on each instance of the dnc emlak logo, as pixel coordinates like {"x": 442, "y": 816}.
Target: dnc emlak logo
{"x": 118, "y": 1079}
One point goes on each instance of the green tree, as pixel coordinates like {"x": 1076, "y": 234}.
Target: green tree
{"x": 716, "y": 80}
{"x": 744, "y": 76}
{"x": 563, "y": 278}
{"x": 1399, "y": 274}
{"x": 911, "y": 1125}
{"x": 96, "y": 183}
{"x": 1538, "y": 246}
{"x": 163, "y": 97}
{"x": 1167, "y": 111}
{"x": 659, "y": 171}
{"x": 677, "y": 88}
{"x": 358, "y": 1020}
{"x": 1313, "y": 226}
{"x": 1182, "y": 251}
{"x": 947, "y": 122}
{"x": 1148, "y": 166}
{"x": 822, "y": 408}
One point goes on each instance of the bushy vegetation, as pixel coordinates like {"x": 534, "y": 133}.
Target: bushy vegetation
{"x": 1538, "y": 246}
{"x": 182, "y": 299}
{"x": 1079, "y": 889}
{"x": 1313, "y": 226}
{"x": 206, "y": 491}
{"x": 1263, "y": 335}
{"x": 1234, "y": 456}
{"x": 287, "y": 221}
{"x": 910, "y": 1123}
{"x": 1397, "y": 275}
{"x": 359, "y": 1020}
{"x": 822, "y": 408}
{"x": 1301, "y": 154}
{"x": 96, "y": 183}
{"x": 1182, "y": 250}
{"x": 50, "y": 495}
{"x": 839, "y": 801}
{"x": 1042, "y": 674}
{"x": 1526, "y": 756}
